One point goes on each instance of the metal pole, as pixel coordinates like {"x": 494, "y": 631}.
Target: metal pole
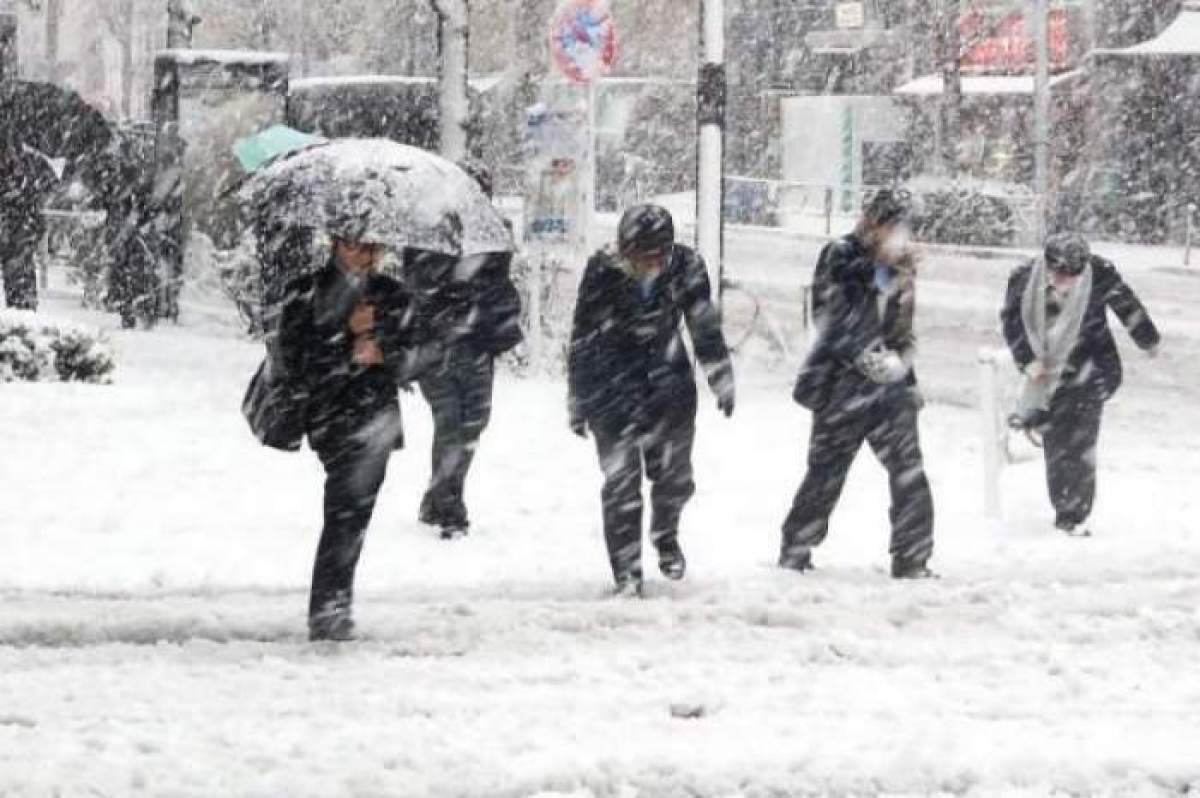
{"x": 989, "y": 413}
{"x": 710, "y": 162}
{"x": 453, "y": 110}
{"x": 1041, "y": 115}
{"x": 587, "y": 181}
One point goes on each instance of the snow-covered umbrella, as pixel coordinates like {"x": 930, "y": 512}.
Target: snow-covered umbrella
{"x": 382, "y": 191}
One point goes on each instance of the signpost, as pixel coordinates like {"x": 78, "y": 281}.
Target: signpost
{"x": 583, "y": 45}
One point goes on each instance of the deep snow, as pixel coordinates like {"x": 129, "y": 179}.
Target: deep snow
{"x": 155, "y": 564}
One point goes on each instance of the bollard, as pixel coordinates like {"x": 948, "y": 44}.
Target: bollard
{"x": 990, "y": 428}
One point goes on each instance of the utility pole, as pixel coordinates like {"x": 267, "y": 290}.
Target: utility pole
{"x": 453, "y": 102}
{"x": 710, "y": 163}
{"x": 950, "y": 56}
{"x": 1041, "y": 115}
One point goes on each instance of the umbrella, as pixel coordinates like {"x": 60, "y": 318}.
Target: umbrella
{"x": 382, "y": 191}
{"x": 53, "y": 120}
{"x": 254, "y": 151}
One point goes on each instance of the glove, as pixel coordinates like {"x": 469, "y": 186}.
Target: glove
{"x": 883, "y": 366}
{"x": 722, "y": 384}
{"x": 576, "y": 421}
{"x": 1036, "y": 371}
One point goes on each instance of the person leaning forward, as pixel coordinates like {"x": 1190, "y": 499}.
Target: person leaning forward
{"x": 633, "y": 386}
{"x": 345, "y": 344}
{"x": 859, "y": 383}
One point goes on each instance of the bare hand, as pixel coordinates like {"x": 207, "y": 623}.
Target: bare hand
{"x": 362, "y": 320}
{"x": 367, "y": 353}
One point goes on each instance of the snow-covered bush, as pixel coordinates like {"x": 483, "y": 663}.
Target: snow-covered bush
{"x": 35, "y": 349}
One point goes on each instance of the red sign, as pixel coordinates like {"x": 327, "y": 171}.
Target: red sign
{"x": 583, "y": 39}
{"x": 1006, "y": 44}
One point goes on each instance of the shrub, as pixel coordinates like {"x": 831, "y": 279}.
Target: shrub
{"x": 36, "y": 349}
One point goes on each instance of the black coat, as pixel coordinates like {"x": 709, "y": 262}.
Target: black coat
{"x": 846, "y": 303}
{"x": 627, "y": 356}
{"x": 1095, "y": 360}
{"x": 312, "y": 353}
{"x": 484, "y": 303}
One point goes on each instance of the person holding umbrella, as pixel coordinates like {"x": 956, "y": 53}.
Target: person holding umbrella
{"x": 349, "y": 336}
{"x": 1055, "y": 322}
{"x": 633, "y": 387}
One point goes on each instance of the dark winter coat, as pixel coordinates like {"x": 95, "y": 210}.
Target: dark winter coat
{"x": 25, "y": 181}
{"x": 846, "y": 303}
{"x": 627, "y": 356}
{"x": 483, "y": 300}
{"x": 313, "y": 351}
{"x": 1095, "y": 360}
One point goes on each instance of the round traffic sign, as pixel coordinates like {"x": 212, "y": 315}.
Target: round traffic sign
{"x": 583, "y": 39}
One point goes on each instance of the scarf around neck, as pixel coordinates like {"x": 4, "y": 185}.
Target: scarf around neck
{"x": 1052, "y": 341}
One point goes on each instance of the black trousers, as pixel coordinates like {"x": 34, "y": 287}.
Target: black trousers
{"x": 1070, "y": 441}
{"x": 891, "y": 431}
{"x": 659, "y": 448}
{"x": 355, "y": 467}
{"x": 20, "y": 274}
{"x": 460, "y": 396}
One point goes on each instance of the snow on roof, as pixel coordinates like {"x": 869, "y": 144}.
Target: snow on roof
{"x": 930, "y": 85}
{"x": 480, "y": 84}
{"x": 1182, "y": 37}
{"x": 188, "y": 56}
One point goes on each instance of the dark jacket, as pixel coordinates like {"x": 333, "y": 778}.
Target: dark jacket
{"x": 1094, "y": 361}
{"x": 846, "y": 303}
{"x": 627, "y": 356}
{"x": 25, "y": 182}
{"x": 475, "y": 295}
{"x": 312, "y": 353}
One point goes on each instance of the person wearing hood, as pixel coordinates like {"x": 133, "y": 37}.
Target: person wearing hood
{"x": 346, "y": 342}
{"x": 1055, "y": 322}
{"x": 859, "y": 383}
{"x": 633, "y": 387}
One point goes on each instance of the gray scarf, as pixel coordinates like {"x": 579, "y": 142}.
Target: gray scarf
{"x": 1052, "y": 342}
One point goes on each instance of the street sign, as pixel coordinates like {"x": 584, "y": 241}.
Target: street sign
{"x": 583, "y": 39}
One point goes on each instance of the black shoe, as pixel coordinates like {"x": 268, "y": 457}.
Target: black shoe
{"x": 335, "y": 625}
{"x": 671, "y": 562}
{"x": 1071, "y": 529}
{"x": 628, "y": 587}
{"x": 796, "y": 558}
{"x": 911, "y": 570}
{"x": 428, "y": 513}
{"x": 454, "y": 531}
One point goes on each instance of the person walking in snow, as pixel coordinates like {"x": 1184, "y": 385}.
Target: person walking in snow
{"x": 25, "y": 182}
{"x": 452, "y": 292}
{"x": 345, "y": 343}
{"x": 859, "y": 383}
{"x": 633, "y": 386}
{"x": 1055, "y": 322}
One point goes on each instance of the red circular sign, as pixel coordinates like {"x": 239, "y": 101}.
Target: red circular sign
{"x": 583, "y": 39}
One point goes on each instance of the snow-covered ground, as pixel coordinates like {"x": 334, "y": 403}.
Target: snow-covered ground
{"x": 155, "y": 562}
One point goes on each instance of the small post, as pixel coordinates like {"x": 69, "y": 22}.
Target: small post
{"x": 989, "y": 410}
{"x": 829, "y": 210}
{"x": 1187, "y": 233}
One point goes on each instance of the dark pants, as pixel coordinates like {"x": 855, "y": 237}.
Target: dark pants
{"x": 891, "y": 431}
{"x": 662, "y": 450}
{"x": 20, "y": 275}
{"x": 130, "y": 286}
{"x": 355, "y": 466}
{"x": 460, "y": 396}
{"x": 1070, "y": 440}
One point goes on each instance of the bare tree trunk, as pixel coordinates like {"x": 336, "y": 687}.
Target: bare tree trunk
{"x": 453, "y": 47}
{"x": 8, "y": 43}
{"x": 128, "y": 67}
{"x": 53, "y": 26}
{"x": 950, "y": 57}
{"x": 180, "y": 22}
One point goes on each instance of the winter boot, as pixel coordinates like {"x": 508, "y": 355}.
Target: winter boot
{"x": 428, "y": 513}
{"x": 629, "y": 585}
{"x": 454, "y": 531}
{"x": 796, "y": 558}
{"x": 671, "y": 562}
